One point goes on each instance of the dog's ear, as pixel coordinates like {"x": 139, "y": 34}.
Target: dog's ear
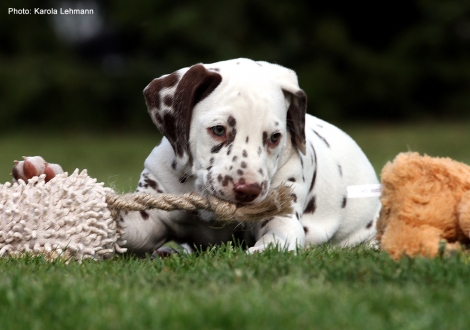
{"x": 296, "y": 118}
{"x": 170, "y": 101}
{"x": 296, "y": 100}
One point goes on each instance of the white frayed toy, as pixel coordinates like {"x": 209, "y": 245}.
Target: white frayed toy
{"x": 57, "y": 215}
{"x": 67, "y": 216}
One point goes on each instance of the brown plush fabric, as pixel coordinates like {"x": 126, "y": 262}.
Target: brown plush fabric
{"x": 424, "y": 201}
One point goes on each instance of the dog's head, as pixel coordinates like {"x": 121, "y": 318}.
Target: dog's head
{"x": 234, "y": 122}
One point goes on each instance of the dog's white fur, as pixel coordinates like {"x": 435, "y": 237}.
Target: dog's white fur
{"x": 253, "y": 102}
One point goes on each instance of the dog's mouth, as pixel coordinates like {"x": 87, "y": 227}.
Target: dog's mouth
{"x": 241, "y": 198}
{"x": 237, "y": 197}
{"x": 235, "y": 190}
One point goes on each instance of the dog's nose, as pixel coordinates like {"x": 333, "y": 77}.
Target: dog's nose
{"x": 246, "y": 193}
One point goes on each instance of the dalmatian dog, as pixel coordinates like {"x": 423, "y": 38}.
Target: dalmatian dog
{"x": 235, "y": 130}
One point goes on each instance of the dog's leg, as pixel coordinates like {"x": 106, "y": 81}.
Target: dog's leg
{"x": 464, "y": 213}
{"x": 365, "y": 234}
{"x": 145, "y": 231}
{"x": 284, "y": 233}
{"x": 319, "y": 229}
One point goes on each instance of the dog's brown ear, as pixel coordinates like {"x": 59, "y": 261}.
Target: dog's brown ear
{"x": 295, "y": 97}
{"x": 296, "y": 118}
{"x": 170, "y": 101}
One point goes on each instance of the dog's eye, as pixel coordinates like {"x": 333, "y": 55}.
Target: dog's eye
{"x": 218, "y": 130}
{"x": 275, "y": 138}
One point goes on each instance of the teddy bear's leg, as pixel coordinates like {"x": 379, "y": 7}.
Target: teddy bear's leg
{"x": 401, "y": 238}
{"x": 464, "y": 213}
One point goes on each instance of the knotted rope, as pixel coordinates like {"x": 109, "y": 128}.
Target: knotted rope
{"x": 276, "y": 203}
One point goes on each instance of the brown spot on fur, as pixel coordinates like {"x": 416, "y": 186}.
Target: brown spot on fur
{"x": 311, "y": 206}
{"x": 216, "y": 149}
{"x": 234, "y": 159}
{"x": 184, "y": 178}
{"x": 231, "y": 137}
{"x": 243, "y": 164}
{"x": 345, "y": 201}
{"x": 305, "y": 230}
{"x": 153, "y": 184}
{"x": 294, "y": 198}
{"x": 226, "y": 180}
{"x": 231, "y": 121}
{"x": 314, "y": 173}
{"x": 247, "y": 139}
{"x": 265, "y": 138}
{"x": 291, "y": 179}
{"x": 245, "y": 153}
{"x": 144, "y": 215}
{"x": 321, "y": 138}
{"x": 369, "y": 224}
{"x": 239, "y": 172}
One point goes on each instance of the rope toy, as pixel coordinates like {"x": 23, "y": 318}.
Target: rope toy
{"x": 75, "y": 217}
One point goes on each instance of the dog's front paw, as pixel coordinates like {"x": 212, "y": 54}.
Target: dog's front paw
{"x": 258, "y": 248}
{"x": 34, "y": 166}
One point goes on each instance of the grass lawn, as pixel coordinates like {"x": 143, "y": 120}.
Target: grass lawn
{"x": 320, "y": 288}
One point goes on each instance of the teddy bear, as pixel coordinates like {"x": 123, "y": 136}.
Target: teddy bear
{"x": 425, "y": 206}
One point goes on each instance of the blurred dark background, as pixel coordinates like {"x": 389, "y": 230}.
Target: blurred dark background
{"x": 357, "y": 61}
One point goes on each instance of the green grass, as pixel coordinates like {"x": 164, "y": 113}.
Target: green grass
{"x": 382, "y": 143}
{"x": 320, "y": 288}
